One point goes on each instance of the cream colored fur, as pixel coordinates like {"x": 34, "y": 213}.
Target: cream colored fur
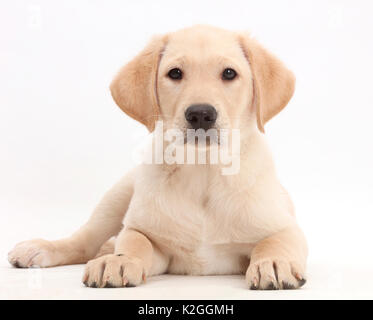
{"x": 191, "y": 219}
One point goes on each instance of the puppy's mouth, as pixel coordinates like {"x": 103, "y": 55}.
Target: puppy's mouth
{"x": 201, "y": 138}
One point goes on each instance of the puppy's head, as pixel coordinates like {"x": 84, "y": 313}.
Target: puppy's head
{"x": 201, "y": 78}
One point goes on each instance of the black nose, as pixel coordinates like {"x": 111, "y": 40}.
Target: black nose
{"x": 201, "y": 116}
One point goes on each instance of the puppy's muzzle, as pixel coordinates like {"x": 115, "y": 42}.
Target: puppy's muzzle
{"x": 201, "y": 116}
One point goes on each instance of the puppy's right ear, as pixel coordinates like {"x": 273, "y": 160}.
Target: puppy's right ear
{"x": 134, "y": 89}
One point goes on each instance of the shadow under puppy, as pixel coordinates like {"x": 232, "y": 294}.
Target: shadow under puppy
{"x": 191, "y": 219}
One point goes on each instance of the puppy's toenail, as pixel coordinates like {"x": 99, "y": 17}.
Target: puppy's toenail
{"x": 130, "y": 285}
{"x": 271, "y": 286}
{"x": 94, "y": 285}
{"x": 254, "y": 287}
{"x": 302, "y": 282}
{"x": 109, "y": 285}
{"x": 287, "y": 286}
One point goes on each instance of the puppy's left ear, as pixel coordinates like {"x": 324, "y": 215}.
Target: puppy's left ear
{"x": 273, "y": 82}
{"x": 134, "y": 89}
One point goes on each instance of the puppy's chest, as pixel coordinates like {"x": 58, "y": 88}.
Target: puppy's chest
{"x": 192, "y": 210}
{"x": 198, "y": 240}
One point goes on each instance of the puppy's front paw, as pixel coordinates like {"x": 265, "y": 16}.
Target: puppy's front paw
{"x": 33, "y": 253}
{"x": 114, "y": 271}
{"x": 273, "y": 274}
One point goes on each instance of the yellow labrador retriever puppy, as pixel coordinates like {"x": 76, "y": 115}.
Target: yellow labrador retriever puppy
{"x": 185, "y": 218}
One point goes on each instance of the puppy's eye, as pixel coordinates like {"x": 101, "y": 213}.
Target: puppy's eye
{"x": 228, "y": 74}
{"x": 175, "y": 74}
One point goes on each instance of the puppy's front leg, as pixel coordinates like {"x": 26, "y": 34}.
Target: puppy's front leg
{"x": 134, "y": 258}
{"x": 105, "y": 222}
{"x": 279, "y": 261}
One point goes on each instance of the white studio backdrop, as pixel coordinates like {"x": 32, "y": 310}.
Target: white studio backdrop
{"x": 64, "y": 142}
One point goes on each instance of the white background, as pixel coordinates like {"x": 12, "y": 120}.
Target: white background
{"x": 64, "y": 142}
